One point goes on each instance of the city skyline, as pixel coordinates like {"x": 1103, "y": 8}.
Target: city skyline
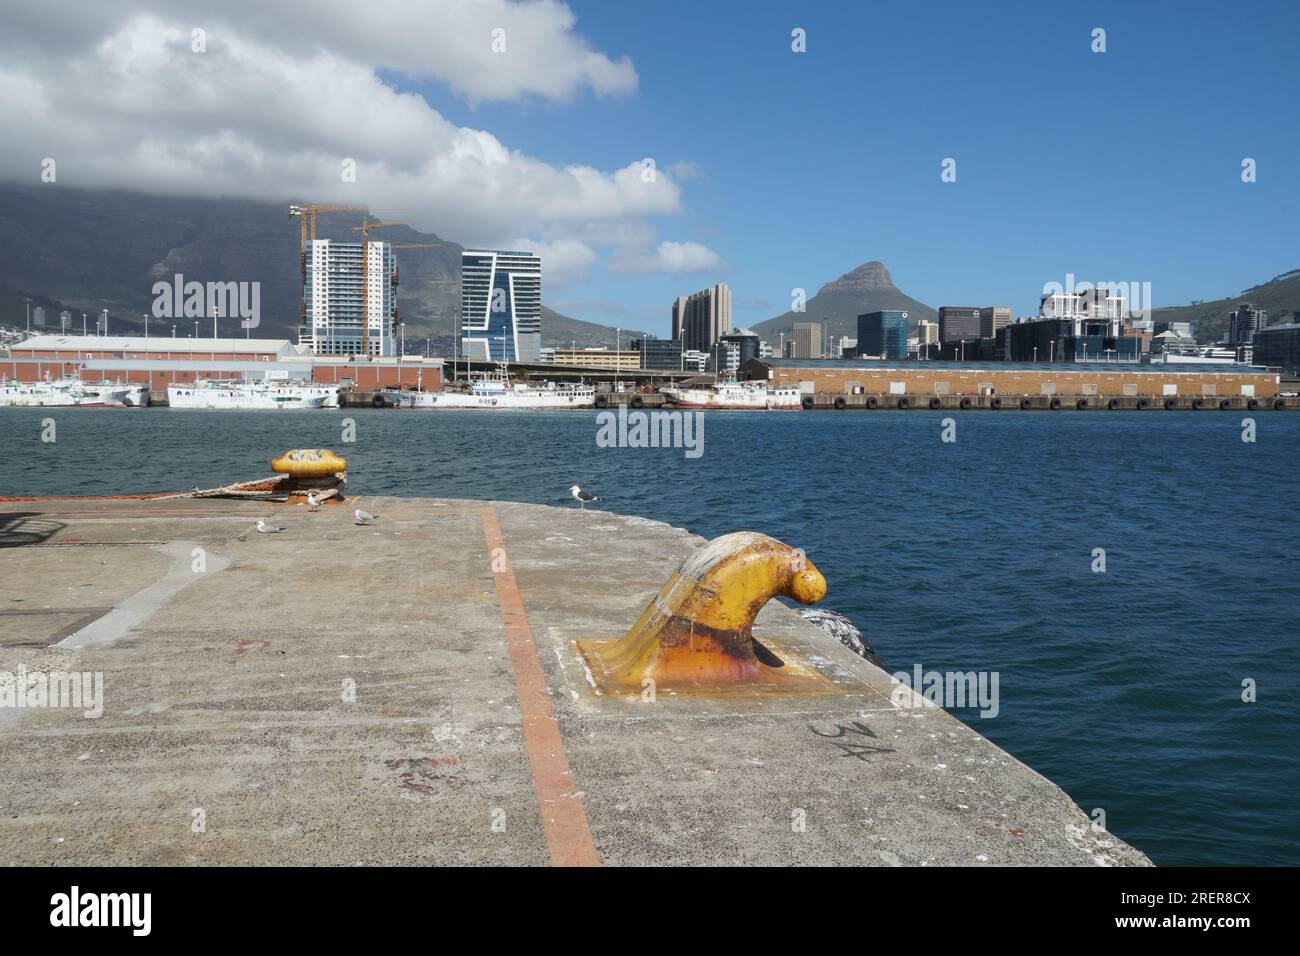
{"x": 496, "y": 151}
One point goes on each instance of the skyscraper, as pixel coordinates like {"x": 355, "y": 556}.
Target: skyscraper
{"x": 806, "y": 339}
{"x": 993, "y": 320}
{"x": 332, "y": 298}
{"x": 501, "y": 305}
{"x": 883, "y": 334}
{"x": 958, "y": 323}
{"x": 1244, "y": 322}
{"x": 699, "y": 320}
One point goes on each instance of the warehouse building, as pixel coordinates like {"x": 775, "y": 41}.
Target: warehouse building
{"x": 1114, "y": 380}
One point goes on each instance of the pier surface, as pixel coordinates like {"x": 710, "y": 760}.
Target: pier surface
{"x": 409, "y": 693}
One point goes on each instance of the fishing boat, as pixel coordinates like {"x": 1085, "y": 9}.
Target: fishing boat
{"x": 497, "y": 391}
{"x": 732, "y": 394}
{"x": 119, "y": 394}
{"x": 209, "y": 393}
{"x": 63, "y": 393}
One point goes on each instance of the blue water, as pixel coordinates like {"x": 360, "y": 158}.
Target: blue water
{"x": 1122, "y": 687}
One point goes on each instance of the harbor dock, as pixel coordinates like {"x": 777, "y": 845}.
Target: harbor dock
{"x": 412, "y": 692}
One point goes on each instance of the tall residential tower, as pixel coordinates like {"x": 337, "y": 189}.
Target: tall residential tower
{"x": 332, "y": 298}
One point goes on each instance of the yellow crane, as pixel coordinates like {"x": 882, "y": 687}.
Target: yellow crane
{"x": 306, "y": 215}
{"x": 364, "y": 229}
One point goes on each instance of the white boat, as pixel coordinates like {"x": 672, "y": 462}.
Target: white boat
{"x": 207, "y": 393}
{"x": 119, "y": 394}
{"x": 496, "y": 391}
{"x": 62, "y": 392}
{"x": 733, "y": 395}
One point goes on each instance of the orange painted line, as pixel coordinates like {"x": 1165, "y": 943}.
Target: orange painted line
{"x": 564, "y": 821}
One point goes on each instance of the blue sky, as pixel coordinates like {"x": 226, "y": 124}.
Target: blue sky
{"x": 1116, "y": 166}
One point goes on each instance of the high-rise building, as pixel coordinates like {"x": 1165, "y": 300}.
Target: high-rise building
{"x": 993, "y": 320}
{"x": 883, "y": 334}
{"x": 700, "y": 319}
{"x": 38, "y": 317}
{"x": 1279, "y": 347}
{"x": 659, "y": 354}
{"x": 806, "y": 340}
{"x": 927, "y": 333}
{"x": 1244, "y": 322}
{"x": 334, "y": 299}
{"x": 501, "y": 306}
{"x": 958, "y": 323}
{"x": 734, "y": 349}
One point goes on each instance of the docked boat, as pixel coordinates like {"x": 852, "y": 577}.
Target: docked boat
{"x": 119, "y": 394}
{"x": 62, "y": 393}
{"x": 740, "y": 395}
{"x": 498, "y": 392}
{"x": 207, "y": 393}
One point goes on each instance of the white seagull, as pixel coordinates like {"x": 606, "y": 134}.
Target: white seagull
{"x": 264, "y": 528}
{"x": 364, "y": 517}
{"x": 313, "y": 503}
{"x": 582, "y": 497}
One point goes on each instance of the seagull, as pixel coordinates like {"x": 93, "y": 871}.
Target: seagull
{"x": 313, "y": 503}
{"x": 364, "y": 517}
{"x": 265, "y": 528}
{"x": 582, "y": 497}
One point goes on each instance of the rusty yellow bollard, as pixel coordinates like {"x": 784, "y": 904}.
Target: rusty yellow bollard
{"x": 697, "y": 633}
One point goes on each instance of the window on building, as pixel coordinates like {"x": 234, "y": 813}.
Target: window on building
{"x": 941, "y": 388}
{"x": 897, "y": 388}
{"x": 1089, "y": 388}
{"x": 1047, "y": 388}
{"x": 1170, "y": 388}
{"x": 1130, "y": 388}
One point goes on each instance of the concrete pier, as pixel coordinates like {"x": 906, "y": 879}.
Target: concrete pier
{"x": 410, "y": 693}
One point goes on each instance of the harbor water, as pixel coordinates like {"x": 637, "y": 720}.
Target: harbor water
{"x": 1122, "y": 685}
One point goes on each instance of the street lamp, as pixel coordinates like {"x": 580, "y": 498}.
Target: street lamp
{"x": 1035, "y": 353}
{"x": 29, "y": 315}
{"x": 146, "y": 324}
{"x": 1052, "y": 354}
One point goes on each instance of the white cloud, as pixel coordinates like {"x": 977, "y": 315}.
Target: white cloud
{"x": 285, "y": 93}
{"x": 138, "y": 109}
{"x": 450, "y": 41}
{"x": 668, "y": 256}
{"x": 564, "y": 260}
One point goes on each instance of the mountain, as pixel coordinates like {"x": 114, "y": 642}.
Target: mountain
{"x": 91, "y": 250}
{"x": 1279, "y": 297}
{"x": 868, "y": 288}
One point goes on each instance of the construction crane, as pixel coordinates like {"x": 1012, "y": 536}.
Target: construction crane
{"x": 306, "y": 215}
{"x": 364, "y": 229}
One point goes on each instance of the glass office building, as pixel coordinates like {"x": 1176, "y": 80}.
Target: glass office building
{"x": 883, "y": 334}
{"x": 501, "y": 306}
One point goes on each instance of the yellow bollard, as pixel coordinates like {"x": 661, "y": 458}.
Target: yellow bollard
{"x": 697, "y": 633}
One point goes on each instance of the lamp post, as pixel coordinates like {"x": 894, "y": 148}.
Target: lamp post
{"x": 1035, "y": 353}
{"x": 29, "y": 315}
{"x": 146, "y": 324}
{"x": 1052, "y": 353}
{"x": 83, "y": 325}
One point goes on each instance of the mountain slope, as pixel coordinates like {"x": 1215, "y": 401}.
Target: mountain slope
{"x": 1279, "y": 297}
{"x": 867, "y": 288}
{"x": 87, "y": 251}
